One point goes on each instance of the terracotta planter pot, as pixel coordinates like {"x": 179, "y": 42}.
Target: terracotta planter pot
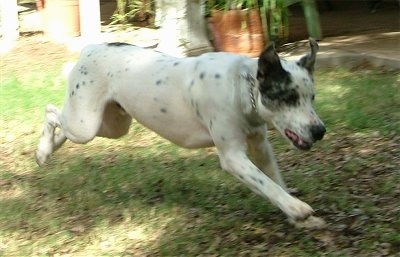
{"x": 237, "y": 31}
{"x": 215, "y": 28}
{"x": 237, "y": 36}
{"x": 39, "y": 5}
{"x": 256, "y": 32}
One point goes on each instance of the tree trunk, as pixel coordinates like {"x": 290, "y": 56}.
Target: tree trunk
{"x": 182, "y": 27}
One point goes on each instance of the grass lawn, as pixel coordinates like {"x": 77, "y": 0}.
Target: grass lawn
{"x": 142, "y": 196}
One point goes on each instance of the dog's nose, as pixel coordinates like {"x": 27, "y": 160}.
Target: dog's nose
{"x": 317, "y": 131}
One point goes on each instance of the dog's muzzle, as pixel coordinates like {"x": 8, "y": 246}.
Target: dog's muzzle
{"x": 317, "y": 132}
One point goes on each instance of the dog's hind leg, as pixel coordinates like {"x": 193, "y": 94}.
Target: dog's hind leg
{"x": 49, "y": 141}
{"x": 115, "y": 122}
{"x": 79, "y": 121}
{"x": 260, "y": 151}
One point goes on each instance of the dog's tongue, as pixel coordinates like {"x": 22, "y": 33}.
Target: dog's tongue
{"x": 300, "y": 141}
{"x": 293, "y": 136}
{"x": 297, "y": 141}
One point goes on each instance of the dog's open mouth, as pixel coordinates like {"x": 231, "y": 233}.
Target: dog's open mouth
{"x": 297, "y": 141}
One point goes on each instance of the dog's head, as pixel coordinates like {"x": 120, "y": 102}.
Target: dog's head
{"x": 287, "y": 95}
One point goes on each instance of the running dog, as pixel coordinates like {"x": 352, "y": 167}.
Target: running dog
{"x": 216, "y": 99}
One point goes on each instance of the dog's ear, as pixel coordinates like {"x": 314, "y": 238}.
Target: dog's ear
{"x": 308, "y": 61}
{"x": 269, "y": 64}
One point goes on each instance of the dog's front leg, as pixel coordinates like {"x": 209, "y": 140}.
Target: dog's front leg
{"x": 261, "y": 152}
{"x": 234, "y": 160}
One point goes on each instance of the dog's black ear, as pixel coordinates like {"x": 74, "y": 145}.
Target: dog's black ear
{"x": 308, "y": 61}
{"x": 269, "y": 65}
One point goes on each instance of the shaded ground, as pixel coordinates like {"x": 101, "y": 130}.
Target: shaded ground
{"x": 347, "y": 18}
{"x": 95, "y": 197}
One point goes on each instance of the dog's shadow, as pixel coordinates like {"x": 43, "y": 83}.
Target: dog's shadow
{"x": 85, "y": 189}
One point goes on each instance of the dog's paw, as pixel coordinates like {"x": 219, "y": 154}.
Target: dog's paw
{"x": 296, "y": 209}
{"x": 311, "y": 222}
{"x": 41, "y": 158}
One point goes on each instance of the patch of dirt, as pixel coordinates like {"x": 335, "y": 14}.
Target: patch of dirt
{"x": 363, "y": 168}
{"x": 33, "y": 52}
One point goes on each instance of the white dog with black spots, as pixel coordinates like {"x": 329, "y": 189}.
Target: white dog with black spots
{"x": 216, "y": 99}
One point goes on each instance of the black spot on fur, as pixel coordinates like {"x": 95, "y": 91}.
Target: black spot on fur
{"x": 199, "y": 114}
{"x": 191, "y": 85}
{"x": 118, "y": 44}
{"x": 196, "y": 65}
{"x": 198, "y": 111}
{"x": 163, "y": 110}
{"x": 279, "y": 93}
{"x": 72, "y": 93}
{"x": 158, "y": 82}
{"x": 253, "y": 178}
{"x": 261, "y": 182}
{"x": 202, "y": 75}
{"x": 83, "y": 83}
{"x": 77, "y": 86}
{"x": 223, "y": 138}
{"x": 276, "y": 84}
{"x": 176, "y": 63}
{"x": 217, "y": 76}
{"x": 83, "y": 70}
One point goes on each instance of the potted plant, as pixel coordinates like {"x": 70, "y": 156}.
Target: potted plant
{"x": 276, "y": 19}
{"x": 236, "y": 26}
